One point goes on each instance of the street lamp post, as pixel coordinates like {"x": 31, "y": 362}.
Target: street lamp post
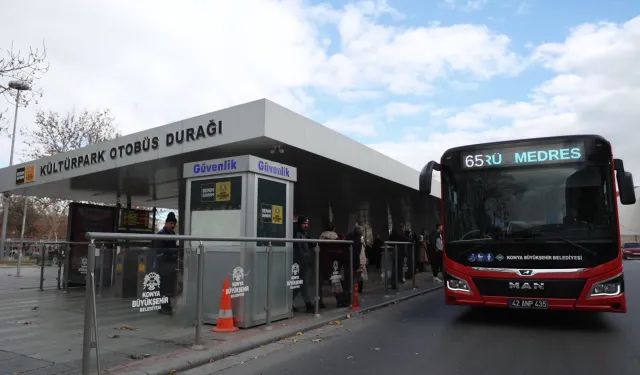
{"x": 19, "y": 86}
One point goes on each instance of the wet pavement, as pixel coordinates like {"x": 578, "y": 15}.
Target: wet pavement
{"x": 425, "y": 336}
{"x": 41, "y": 331}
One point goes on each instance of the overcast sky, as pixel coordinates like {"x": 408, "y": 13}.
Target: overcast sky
{"x": 408, "y": 78}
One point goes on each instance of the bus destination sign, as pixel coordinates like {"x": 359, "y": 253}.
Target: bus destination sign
{"x": 523, "y": 156}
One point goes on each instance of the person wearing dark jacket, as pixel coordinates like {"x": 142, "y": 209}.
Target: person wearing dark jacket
{"x": 166, "y": 261}
{"x": 304, "y": 256}
{"x": 435, "y": 249}
{"x": 398, "y": 235}
{"x": 354, "y": 251}
{"x": 376, "y": 252}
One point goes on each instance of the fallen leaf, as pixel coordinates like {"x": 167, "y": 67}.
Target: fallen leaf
{"x": 350, "y": 357}
{"x": 211, "y": 360}
{"x": 172, "y": 372}
{"x": 348, "y": 316}
{"x": 316, "y": 340}
{"x": 34, "y": 308}
{"x": 24, "y": 322}
{"x": 125, "y": 327}
{"x": 113, "y": 336}
{"x": 139, "y": 356}
{"x": 294, "y": 340}
{"x": 299, "y": 333}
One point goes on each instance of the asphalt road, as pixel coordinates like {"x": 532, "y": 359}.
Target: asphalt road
{"x": 423, "y": 336}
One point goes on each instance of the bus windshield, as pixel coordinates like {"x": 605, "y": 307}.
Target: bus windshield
{"x": 550, "y": 210}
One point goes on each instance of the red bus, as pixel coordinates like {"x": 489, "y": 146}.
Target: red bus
{"x": 533, "y": 223}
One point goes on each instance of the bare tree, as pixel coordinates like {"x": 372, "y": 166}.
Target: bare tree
{"x": 26, "y": 67}
{"x": 55, "y": 133}
{"x": 14, "y": 223}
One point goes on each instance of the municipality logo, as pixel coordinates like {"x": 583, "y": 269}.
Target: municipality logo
{"x": 499, "y": 257}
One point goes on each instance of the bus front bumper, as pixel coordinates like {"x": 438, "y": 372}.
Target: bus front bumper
{"x": 454, "y": 295}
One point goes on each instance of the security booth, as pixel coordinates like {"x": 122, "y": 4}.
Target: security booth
{"x": 242, "y": 196}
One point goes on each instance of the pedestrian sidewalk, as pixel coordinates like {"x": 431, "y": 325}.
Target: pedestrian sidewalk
{"x": 41, "y": 331}
{"x": 219, "y": 345}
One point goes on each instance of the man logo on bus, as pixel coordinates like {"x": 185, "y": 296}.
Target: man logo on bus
{"x": 151, "y": 281}
{"x": 526, "y": 272}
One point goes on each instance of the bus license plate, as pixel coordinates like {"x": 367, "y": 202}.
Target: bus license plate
{"x": 527, "y": 304}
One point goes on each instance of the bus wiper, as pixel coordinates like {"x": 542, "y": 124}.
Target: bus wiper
{"x": 528, "y": 233}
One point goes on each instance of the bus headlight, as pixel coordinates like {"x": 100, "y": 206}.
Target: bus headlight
{"x": 610, "y": 287}
{"x": 457, "y": 284}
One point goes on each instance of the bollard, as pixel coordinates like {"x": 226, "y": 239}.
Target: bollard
{"x": 352, "y": 271}
{"x": 102, "y": 249}
{"x": 199, "y": 299}
{"x": 88, "y": 310}
{"x": 386, "y": 270}
{"x": 413, "y": 264}
{"x": 114, "y": 258}
{"x": 396, "y": 266}
{"x": 317, "y": 284}
{"x": 19, "y": 265}
{"x": 67, "y": 265}
{"x": 355, "y": 304}
{"x": 42, "y": 254}
{"x": 267, "y": 308}
{"x": 59, "y": 285}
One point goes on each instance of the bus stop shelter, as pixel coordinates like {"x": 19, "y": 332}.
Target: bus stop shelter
{"x": 338, "y": 177}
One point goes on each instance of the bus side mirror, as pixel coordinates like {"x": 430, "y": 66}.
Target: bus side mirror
{"x": 426, "y": 176}
{"x": 626, "y": 189}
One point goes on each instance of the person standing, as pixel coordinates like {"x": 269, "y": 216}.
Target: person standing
{"x": 354, "y": 251}
{"x": 303, "y": 254}
{"x": 167, "y": 262}
{"x": 398, "y": 235}
{"x": 436, "y": 247}
{"x": 422, "y": 253}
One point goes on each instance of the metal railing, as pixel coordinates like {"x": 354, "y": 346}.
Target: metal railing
{"x": 90, "y": 314}
{"x": 395, "y": 266}
{"x": 63, "y": 259}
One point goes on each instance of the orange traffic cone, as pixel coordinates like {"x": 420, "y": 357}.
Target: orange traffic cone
{"x": 355, "y": 305}
{"x": 225, "y": 315}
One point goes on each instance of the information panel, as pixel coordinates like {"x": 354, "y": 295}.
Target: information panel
{"x": 216, "y": 194}
{"x": 135, "y": 220}
{"x": 524, "y": 156}
{"x": 272, "y": 205}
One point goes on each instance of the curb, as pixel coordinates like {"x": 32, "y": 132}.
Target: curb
{"x": 194, "y": 359}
